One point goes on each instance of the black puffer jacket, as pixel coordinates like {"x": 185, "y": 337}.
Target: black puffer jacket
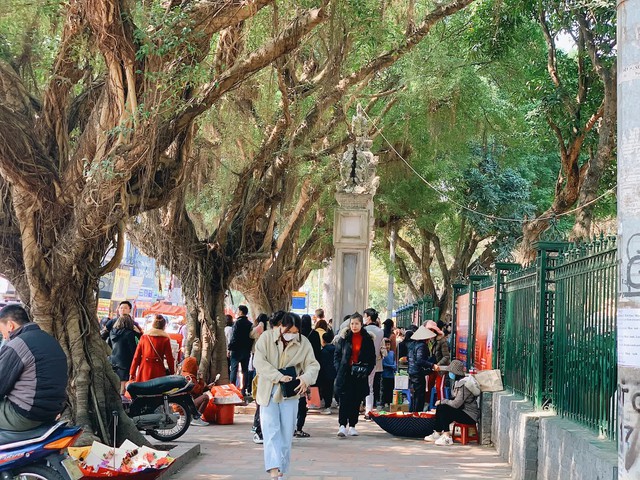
{"x": 34, "y": 373}
{"x": 124, "y": 347}
{"x": 420, "y": 361}
{"x": 342, "y": 362}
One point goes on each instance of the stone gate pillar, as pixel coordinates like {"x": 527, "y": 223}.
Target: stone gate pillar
{"x": 353, "y": 222}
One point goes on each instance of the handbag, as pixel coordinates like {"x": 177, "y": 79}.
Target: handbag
{"x": 489, "y": 380}
{"x": 359, "y": 370}
{"x": 289, "y": 388}
{"x": 166, "y": 370}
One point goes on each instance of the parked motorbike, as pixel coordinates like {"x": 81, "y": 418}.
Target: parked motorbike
{"x": 38, "y": 454}
{"x": 162, "y": 407}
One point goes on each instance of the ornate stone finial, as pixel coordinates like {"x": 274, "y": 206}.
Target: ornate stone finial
{"x": 358, "y": 164}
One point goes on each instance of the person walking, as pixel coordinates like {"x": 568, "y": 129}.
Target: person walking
{"x": 240, "y": 348}
{"x": 154, "y": 348}
{"x": 124, "y": 340}
{"x": 314, "y": 338}
{"x": 370, "y": 317}
{"x": 286, "y": 367}
{"x": 420, "y": 365}
{"x": 462, "y": 407}
{"x": 354, "y": 360}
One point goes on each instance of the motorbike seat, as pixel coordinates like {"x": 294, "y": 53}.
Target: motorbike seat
{"x": 11, "y": 439}
{"x": 157, "y": 386}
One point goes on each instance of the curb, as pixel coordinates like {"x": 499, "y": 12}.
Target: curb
{"x": 182, "y": 455}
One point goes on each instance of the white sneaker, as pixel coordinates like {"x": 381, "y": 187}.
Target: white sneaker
{"x": 352, "y": 432}
{"x": 445, "y": 440}
{"x": 326, "y": 411}
{"x": 342, "y": 431}
{"x": 198, "y": 422}
{"x": 257, "y": 439}
{"x": 433, "y": 437}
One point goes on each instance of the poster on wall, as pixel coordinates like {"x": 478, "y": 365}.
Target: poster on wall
{"x": 462, "y": 327}
{"x": 103, "y": 307}
{"x": 484, "y": 329}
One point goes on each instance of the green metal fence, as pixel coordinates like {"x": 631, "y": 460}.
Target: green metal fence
{"x": 520, "y": 331}
{"x": 418, "y": 312}
{"x": 584, "y": 336}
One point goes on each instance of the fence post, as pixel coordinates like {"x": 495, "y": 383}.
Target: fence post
{"x": 546, "y": 258}
{"x": 501, "y": 270}
{"x": 474, "y": 281}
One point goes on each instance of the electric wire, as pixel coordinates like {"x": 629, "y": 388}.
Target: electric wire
{"x": 476, "y": 212}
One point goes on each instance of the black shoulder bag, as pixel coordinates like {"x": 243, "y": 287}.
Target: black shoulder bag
{"x": 289, "y": 388}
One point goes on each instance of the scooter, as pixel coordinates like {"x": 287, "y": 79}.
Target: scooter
{"x": 162, "y": 407}
{"x": 38, "y": 454}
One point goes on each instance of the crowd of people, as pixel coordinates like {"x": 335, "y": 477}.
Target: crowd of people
{"x": 353, "y": 366}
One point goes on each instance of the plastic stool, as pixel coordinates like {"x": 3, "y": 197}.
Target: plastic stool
{"x": 407, "y": 392}
{"x": 465, "y": 432}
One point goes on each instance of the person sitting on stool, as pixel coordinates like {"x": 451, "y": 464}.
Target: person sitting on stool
{"x": 462, "y": 407}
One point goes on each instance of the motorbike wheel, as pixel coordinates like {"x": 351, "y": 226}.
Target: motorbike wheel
{"x": 38, "y": 472}
{"x": 181, "y": 427}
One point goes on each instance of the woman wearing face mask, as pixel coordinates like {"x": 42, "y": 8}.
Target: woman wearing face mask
{"x": 283, "y": 360}
{"x": 354, "y": 360}
{"x": 462, "y": 407}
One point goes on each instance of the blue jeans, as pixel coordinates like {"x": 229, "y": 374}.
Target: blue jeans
{"x": 278, "y": 421}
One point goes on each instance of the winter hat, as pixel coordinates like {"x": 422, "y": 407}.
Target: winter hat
{"x": 433, "y": 326}
{"x": 456, "y": 367}
{"x": 423, "y": 333}
{"x": 190, "y": 366}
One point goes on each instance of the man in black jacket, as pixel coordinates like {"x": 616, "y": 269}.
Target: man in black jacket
{"x": 240, "y": 347}
{"x": 34, "y": 373}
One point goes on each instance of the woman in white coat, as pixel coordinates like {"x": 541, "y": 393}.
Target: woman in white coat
{"x": 286, "y": 367}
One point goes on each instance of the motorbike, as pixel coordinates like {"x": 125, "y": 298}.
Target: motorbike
{"x": 38, "y": 454}
{"x": 162, "y": 407}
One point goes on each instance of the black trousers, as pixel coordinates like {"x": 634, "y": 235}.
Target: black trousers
{"x": 387, "y": 390}
{"x": 445, "y": 414}
{"x": 417, "y": 387}
{"x": 350, "y": 400}
{"x": 302, "y": 412}
{"x": 240, "y": 359}
{"x": 256, "y": 420}
{"x": 326, "y": 391}
{"x": 376, "y": 388}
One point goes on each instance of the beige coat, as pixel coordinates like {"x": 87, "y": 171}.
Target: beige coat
{"x": 269, "y": 357}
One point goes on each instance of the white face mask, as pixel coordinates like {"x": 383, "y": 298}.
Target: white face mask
{"x": 289, "y": 336}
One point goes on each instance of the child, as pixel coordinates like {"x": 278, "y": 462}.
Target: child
{"x": 388, "y": 374}
{"x": 327, "y": 371}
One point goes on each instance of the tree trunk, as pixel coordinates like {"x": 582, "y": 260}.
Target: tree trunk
{"x": 329, "y": 293}
{"x": 68, "y": 312}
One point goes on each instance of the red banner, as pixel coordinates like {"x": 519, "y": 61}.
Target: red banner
{"x": 462, "y": 327}
{"x": 484, "y": 329}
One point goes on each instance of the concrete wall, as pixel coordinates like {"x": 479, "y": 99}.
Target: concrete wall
{"x": 541, "y": 446}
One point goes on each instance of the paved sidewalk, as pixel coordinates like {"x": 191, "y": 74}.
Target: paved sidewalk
{"x": 229, "y": 453}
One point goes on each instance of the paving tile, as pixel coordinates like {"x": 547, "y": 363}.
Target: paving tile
{"x": 227, "y": 452}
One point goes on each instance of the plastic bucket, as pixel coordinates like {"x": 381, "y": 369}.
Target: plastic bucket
{"x": 210, "y": 412}
{"x": 224, "y": 414}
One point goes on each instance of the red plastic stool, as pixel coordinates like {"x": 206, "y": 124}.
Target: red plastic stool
{"x": 466, "y": 433}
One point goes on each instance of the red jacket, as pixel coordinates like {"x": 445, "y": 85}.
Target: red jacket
{"x": 147, "y": 364}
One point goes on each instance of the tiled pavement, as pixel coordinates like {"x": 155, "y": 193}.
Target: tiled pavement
{"x": 229, "y": 453}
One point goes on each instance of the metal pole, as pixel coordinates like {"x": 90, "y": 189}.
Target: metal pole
{"x": 628, "y": 316}
{"x": 392, "y": 261}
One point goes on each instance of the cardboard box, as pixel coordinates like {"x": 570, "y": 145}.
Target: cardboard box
{"x": 403, "y": 407}
{"x": 401, "y": 382}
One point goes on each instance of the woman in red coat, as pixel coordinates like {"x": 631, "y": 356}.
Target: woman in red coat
{"x": 152, "y": 351}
